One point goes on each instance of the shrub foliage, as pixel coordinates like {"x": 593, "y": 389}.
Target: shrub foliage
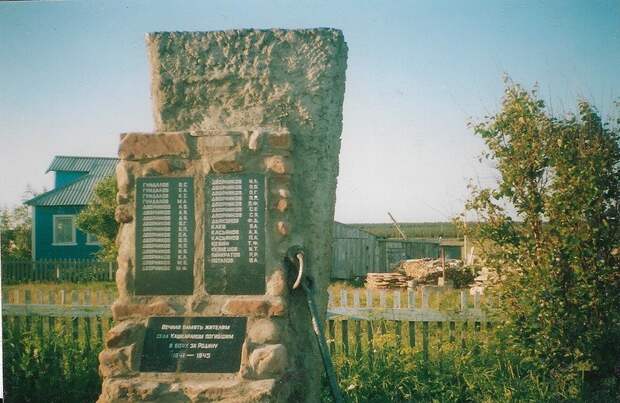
{"x": 551, "y": 227}
{"x": 98, "y": 218}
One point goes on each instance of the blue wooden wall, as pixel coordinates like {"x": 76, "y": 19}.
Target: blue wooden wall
{"x": 44, "y": 249}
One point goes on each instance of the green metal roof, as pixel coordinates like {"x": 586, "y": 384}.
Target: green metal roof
{"x": 79, "y": 192}
{"x": 81, "y": 164}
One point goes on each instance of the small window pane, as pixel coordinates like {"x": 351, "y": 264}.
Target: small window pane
{"x": 91, "y": 238}
{"x": 64, "y": 229}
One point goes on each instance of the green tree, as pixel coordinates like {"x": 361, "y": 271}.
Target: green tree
{"x": 16, "y": 228}
{"x": 551, "y": 227}
{"x": 97, "y": 218}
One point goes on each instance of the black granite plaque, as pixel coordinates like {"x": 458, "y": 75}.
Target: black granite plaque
{"x": 235, "y": 234}
{"x": 198, "y": 344}
{"x": 164, "y": 236}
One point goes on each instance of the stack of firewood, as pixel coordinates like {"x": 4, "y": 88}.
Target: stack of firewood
{"x": 386, "y": 280}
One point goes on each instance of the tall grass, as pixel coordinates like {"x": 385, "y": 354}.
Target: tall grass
{"x": 56, "y": 367}
{"x": 49, "y": 367}
{"x": 475, "y": 372}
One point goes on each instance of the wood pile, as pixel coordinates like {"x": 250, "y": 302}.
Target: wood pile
{"x": 386, "y": 280}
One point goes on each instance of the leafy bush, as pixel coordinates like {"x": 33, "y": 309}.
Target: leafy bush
{"x": 51, "y": 368}
{"x": 98, "y": 218}
{"x": 551, "y": 227}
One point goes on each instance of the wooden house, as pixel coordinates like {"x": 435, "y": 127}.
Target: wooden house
{"x": 54, "y": 232}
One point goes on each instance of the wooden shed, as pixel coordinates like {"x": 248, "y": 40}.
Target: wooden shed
{"x": 355, "y": 252}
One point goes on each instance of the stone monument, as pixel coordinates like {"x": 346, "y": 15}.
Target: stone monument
{"x": 242, "y": 166}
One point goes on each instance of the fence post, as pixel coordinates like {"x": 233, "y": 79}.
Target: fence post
{"x": 398, "y": 324}
{"x": 425, "y": 295}
{"x": 110, "y": 271}
{"x": 88, "y": 321}
{"x": 51, "y": 321}
{"x": 425, "y": 336}
{"x": 331, "y": 328}
{"x": 369, "y": 304}
{"x": 74, "y": 320}
{"x": 382, "y": 299}
{"x": 344, "y": 324}
{"x": 28, "y": 301}
{"x": 358, "y": 324}
{"x": 411, "y": 324}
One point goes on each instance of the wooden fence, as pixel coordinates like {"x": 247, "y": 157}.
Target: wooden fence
{"x": 21, "y": 271}
{"x": 354, "y": 318}
{"x": 84, "y": 314}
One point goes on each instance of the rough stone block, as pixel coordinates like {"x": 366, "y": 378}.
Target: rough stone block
{"x": 124, "y": 333}
{"x": 123, "y": 309}
{"x": 269, "y": 360}
{"x": 276, "y": 284}
{"x": 246, "y": 306}
{"x": 264, "y": 331}
{"x": 214, "y": 144}
{"x": 115, "y": 362}
{"x": 283, "y": 228}
{"x": 123, "y": 214}
{"x": 124, "y": 177}
{"x": 156, "y": 168}
{"x": 227, "y": 166}
{"x": 281, "y": 140}
{"x": 138, "y": 146}
{"x": 282, "y": 205}
{"x": 277, "y": 164}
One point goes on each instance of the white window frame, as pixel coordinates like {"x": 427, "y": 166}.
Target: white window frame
{"x": 57, "y": 216}
{"x": 91, "y": 242}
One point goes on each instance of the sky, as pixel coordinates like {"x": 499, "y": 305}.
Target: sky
{"x": 74, "y": 75}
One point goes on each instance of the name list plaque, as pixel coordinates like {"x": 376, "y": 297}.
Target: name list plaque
{"x": 235, "y": 234}
{"x": 164, "y": 236}
{"x": 193, "y": 344}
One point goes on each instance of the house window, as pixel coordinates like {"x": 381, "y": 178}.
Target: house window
{"x": 91, "y": 239}
{"x": 64, "y": 230}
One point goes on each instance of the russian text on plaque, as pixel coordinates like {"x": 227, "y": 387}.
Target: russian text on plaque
{"x": 198, "y": 344}
{"x": 164, "y": 236}
{"x": 235, "y": 234}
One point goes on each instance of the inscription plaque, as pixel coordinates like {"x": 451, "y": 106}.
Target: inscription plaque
{"x": 164, "y": 236}
{"x": 193, "y": 344}
{"x": 235, "y": 234}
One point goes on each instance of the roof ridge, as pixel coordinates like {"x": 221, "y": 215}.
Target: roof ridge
{"x": 85, "y": 157}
